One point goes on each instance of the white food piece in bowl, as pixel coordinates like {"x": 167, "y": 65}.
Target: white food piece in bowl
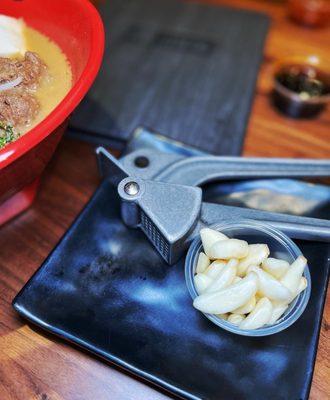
{"x": 229, "y": 298}
{"x": 291, "y": 278}
{"x": 259, "y": 316}
{"x": 247, "y": 307}
{"x": 202, "y": 263}
{"x": 215, "y": 269}
{"x": 275, "y": 267}
{"x": 302, "y": 285}
{"x": 12, "y": 41}
{"x": 256, "y": 255}
{"x": 235, "y": 319}
{"x": 225, "y": 277}
{"x": 209, "y": 237}
{"x": 270, "y": 287}
{"x": 229, "y": 248}
{"x": 279, "y": 309}
{"x": 201, "y": 282}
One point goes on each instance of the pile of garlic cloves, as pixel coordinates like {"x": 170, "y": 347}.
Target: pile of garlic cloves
{"x": 242, "y": 284}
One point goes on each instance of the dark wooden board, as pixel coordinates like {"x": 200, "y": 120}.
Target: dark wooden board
{"x": 184, "y": 69}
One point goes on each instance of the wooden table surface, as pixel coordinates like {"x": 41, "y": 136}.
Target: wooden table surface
{"x": 34, "y": 365}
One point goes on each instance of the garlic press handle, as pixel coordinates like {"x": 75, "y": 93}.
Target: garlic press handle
{"x": 295, "y": 227}
{"x": 195, "y": 171}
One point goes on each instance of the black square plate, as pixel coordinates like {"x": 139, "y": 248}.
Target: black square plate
{"x": 106, "y": 289}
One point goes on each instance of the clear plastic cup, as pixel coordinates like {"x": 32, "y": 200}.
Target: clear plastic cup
{"x": 280, "y": 246}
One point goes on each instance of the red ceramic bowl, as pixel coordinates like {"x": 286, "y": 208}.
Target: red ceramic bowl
{"x": 77, "y": 28}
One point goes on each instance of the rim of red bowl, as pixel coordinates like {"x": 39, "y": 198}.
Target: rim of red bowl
{"x": 16, "y": 149}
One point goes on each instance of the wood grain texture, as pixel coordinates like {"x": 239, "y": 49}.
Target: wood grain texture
{"x": 34, "y": 365}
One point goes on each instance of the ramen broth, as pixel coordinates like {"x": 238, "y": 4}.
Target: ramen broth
{"x": 58, "y": 79}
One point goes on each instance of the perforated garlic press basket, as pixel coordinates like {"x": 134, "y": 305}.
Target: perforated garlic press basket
{"x": 160, "y": 194}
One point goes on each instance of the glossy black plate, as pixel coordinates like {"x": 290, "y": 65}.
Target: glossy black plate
{"x": 106, "y": 289}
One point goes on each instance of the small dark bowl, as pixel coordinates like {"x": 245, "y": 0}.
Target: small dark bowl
{"x": 301, "y": 87}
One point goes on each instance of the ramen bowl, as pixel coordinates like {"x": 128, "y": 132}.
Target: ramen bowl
{"x": 77, "y": 28}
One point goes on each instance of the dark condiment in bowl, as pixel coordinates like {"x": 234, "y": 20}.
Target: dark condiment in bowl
{"x": 305, "y": 80}
{"x": 301, "y": 90}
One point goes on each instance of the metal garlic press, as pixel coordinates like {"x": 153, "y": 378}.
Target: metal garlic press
{"x": 161, "y": 194}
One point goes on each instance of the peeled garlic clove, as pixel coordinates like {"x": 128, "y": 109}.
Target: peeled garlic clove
{"x": 302, "y": 286}
{"x": 229, "y": 248}
{"x": 278, "y": 310}
{"x": 291, "y": 278}
{"x": 215, "y": 269}
{"x": 237, "y": 279}
{"x": 259, "y": 316}
{"x": 223, "y": 316}
{"x": 235, "y": 319}
{"x": 275, "y": 267}
{"x": 209, "y": 237}
{"x": 201, "y": 282}
{"x": 247, "y": 307}
{"x": 270, "y": 287}
{"x": 256, "y": 255}
{"x": 202, "y": 263}
{"x": 229, "y": 298}
{"x": 225, "y": 277}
